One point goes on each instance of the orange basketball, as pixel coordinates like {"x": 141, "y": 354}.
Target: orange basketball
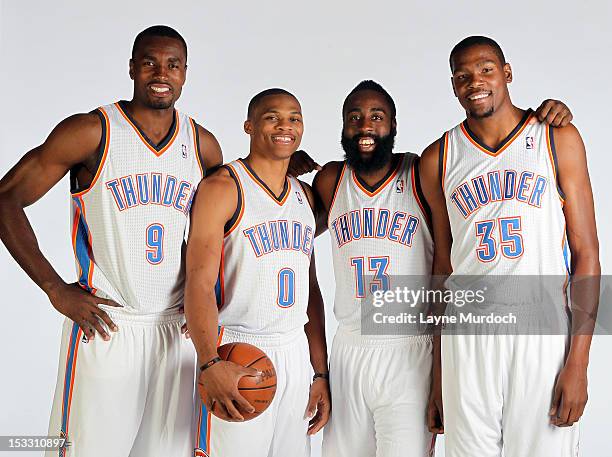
{"x": 258, "y": 390}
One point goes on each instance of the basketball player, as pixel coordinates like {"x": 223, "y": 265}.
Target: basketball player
{"x": 134, "y": 166}
{"x": 507, "y": 196}
{"x": 249, "y": 253}
{"x": 380, "y": 384}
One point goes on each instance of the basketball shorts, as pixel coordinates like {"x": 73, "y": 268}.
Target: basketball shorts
{"x": 279, "y": 431}
{"x": 497, "y": 392}
{"x": 380, "y": 389}
{"x": 131, "y": 396}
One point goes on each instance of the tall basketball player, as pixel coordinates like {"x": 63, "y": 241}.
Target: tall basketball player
{"x": 507, "y": 196}
{"x": 379, "y": 231}
{"x": 134, "y": 166}
{"x": 250, "y": 278}
{"x": 380, "y": 384}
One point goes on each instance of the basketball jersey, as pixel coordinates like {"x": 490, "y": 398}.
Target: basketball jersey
{"x": 263, "y": 282}
{"x": 504, "y": 205}
{"x": 377, "y": 235}
{"x": 129, "y": 225}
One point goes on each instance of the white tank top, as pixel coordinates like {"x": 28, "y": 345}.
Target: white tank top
{"x": 263, "y": 282}
{"x": 129, "y": 225}
{"x": 504, "y": 205}
{"x": 377, "y": 235}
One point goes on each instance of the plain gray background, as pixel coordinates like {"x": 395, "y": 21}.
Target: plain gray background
{"x": 63, "y": 57}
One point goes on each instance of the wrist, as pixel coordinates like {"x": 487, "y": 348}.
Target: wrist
{"x": 209, "y": 363}
{"x": 52, "y": 288}
{"x": 320, "y": 375}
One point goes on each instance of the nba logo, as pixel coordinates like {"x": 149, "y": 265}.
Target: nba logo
{"x": 184, "y": 150}
{"x": 529, "y": 142}
{"x": 399, "y": 186}
{"x": 200, "y": 453}
{"x": 299, "y": 197}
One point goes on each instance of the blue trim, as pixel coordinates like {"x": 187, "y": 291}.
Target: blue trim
{"x": 203, "y": 429}
{"x": 67, "y": 377}
{"x": 82, "y": 247}
{"x": 218, "y": 291}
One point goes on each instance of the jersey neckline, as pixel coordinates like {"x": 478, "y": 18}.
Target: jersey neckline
{"x": 280, "y": 199}
{"x": 371, "y": 191}
{"x": 516, "y": 131}
{"x": 157, "y": 149}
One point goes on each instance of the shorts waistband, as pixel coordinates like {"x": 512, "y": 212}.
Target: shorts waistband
{"x": 356, "y": 339}
{"x": 262, "y": 341}
{"x": 162, "y": 317}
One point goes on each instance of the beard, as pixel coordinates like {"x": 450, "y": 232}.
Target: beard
{"x": 487, "y": 113}
{"x": 159, "y": 104}
{"x": 381, "y": 156}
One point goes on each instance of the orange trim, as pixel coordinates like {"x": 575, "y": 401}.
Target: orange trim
{"x": 444, "y": 156}
{"x": 239, "y": 218}
{"x": 383, "y": 185}
{"x": 552, "y": 163}
{"x": 151, "y": 148}
{"x": 208, "y": 421}
{"x": 104, "y": 154}
{"x": 222, "y": 281}
{"x": 416, "y": 196}
{"x": 272, "y": 196}
{"x": 196, "y": 146}
{"x": 505, "y": 146}
{"x": 336, "y": 192}
{"x": 220, "y": 337}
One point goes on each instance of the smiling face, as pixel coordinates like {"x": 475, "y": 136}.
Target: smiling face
{"x": 480, "y": 80}
{"x": 158, "y": 69}
{"x": 275, "y": 126}
{"x": 368, "y": 132}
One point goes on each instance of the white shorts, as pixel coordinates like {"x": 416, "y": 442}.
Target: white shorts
{"x": 281, "y": 430}
{"x": 497, "y": 392}
{"x": 380, "y": 389}
{"x": 131, "y": 396}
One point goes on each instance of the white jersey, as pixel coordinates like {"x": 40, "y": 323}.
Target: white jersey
{"x": 504, "y": 205}
{"x": 128, "y": 226}
{"x": 377, "y": 234}
{"x": 264, "y": 276}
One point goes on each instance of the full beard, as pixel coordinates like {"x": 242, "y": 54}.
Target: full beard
{"x": 380, "y": 157}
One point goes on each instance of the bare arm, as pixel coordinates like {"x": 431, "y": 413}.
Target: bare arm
{"x": 319, "y": 402}
{"x": 571, "y": 391}
{"x": 213, "y": 206}
{"x": 73, "y": 141}
{"x": 210, "y": 151}
{"x": 441, "y": 269}
{"x": 323, "y": 185}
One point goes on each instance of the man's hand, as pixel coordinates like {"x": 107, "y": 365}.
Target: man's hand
{"x": 435, "y": 413}
{"x": 220, "y": 385}
{"x": 570, "y": 396}
{"x": 301, "y": 163}
{"x": 554, "y": 112}
{"x": 319, "y": 405}
{"x": 82, "y": 307}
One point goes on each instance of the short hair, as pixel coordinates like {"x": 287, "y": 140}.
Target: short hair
{"x": 158, "y": 31}
{"x": 263, "y": 94}
{"x": 476, "y": 40}
{"x": 368, "y": 84}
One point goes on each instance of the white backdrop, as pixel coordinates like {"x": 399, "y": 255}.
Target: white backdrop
{"x": 63, "y": 57}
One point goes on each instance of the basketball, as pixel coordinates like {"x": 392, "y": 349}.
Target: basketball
{"x": 257, "y": 390}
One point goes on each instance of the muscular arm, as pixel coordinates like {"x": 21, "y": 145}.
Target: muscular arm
{"x": 324, "y": 187}
{"x": 319, "y": 403}
{"x": 441, "y": 269}
{"x": 210, "y": 151}
{"x": 213, "y": 206}
{"x": 570, "y": 393}
{"x": 73, "y": 141}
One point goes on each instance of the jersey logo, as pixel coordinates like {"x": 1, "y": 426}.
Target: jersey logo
{"x": 529, "y": 142}
{"x": 184, "y": 150}
{"x": 299, "y": 197}
{"x": 399, "y": 186}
